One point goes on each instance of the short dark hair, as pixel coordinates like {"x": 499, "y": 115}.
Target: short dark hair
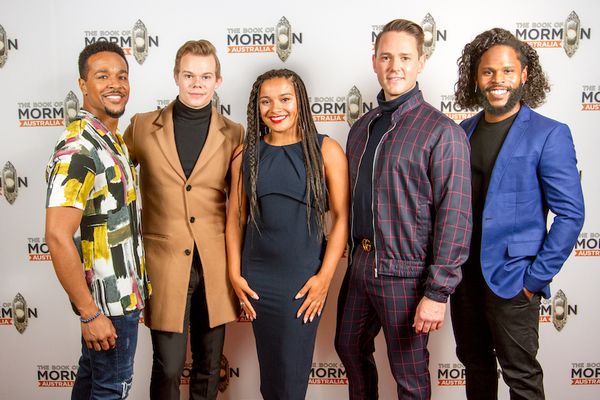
{"x": 403, "y": 25}
{"x": 95, "y": 48}
{"x": 536, "y": 86}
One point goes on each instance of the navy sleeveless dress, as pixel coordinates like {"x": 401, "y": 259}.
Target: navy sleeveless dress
{"x": 278, "y": 258}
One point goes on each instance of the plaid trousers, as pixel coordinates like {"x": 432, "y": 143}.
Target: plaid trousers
{"x": 365, "y": 305}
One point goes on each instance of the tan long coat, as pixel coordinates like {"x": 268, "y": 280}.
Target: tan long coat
{"x": 178, "y": 212}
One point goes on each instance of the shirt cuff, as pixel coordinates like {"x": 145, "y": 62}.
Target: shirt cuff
{"x": 436, "y": 296}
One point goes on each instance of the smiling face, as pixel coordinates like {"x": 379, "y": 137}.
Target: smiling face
{"x": 500, "y": 78}
{"x": 106, "y": 89}
{"x": 197, "y": 80}
{"x": 278, "y": 106}
{"x": 397, "y": 63}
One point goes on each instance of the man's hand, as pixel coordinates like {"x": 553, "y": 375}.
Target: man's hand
{"x": 99, "y": 333}
{"x": 528, "y": 293}
{"x": 429, "y": 316}
{"x": 61, "y": 225}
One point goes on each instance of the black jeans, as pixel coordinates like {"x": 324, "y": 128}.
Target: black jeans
{"x": 487, "y": 327}
{"x": 206, "y": 344}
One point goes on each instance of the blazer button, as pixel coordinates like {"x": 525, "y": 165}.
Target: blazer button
{"x": 188, "y": 187}
{"x": 192, "y": 220}
{"x": 187, "y": 252}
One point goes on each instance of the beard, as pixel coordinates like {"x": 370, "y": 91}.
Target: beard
{"x": 515, "y": 96}
{"x": 114, "y": 113}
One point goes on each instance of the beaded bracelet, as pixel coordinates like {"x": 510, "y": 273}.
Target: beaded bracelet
{"x": 85, "y": 321}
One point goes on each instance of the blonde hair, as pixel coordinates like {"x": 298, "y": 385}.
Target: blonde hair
{"x": 199, "y": 48}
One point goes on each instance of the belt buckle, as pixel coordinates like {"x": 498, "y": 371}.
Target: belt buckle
{"x": 366, "y": 244}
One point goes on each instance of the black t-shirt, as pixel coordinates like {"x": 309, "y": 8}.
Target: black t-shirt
{"x": 486, "y": 142}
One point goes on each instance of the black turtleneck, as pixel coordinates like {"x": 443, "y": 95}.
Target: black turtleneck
{"x": 191, "y": 129}
{"x": 362, "y": 200}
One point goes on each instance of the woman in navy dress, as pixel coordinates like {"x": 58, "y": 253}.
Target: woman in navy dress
{"x": 285, "y": 178}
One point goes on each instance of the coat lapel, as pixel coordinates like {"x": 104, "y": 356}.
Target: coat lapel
{"x": 512, "y": 141}
{"x": 214, "y": 140}
{"x": 165, "y": 136}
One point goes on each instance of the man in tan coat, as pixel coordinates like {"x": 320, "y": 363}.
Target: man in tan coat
{"x": 184, "y": 153}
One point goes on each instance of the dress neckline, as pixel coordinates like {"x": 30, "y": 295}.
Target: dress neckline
{"x": 283, "y": 145}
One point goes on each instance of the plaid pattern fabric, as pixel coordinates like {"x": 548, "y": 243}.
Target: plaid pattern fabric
{"x": 422, "y": 223}
{"x": 90, "y": 170}
{"x": 421, "y": 195}
{"x": 368, "y": 304}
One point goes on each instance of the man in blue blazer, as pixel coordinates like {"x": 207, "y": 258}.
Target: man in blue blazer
{"x": 523, "y": 165}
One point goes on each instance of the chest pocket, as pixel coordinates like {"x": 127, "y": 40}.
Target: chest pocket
{"x": 520, "y": 175}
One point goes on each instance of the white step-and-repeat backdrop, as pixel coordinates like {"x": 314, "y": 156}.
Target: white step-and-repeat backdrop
{"x": 330, "y": 46}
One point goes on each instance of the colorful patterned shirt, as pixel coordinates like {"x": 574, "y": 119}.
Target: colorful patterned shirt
{"x": 90, "y": 170}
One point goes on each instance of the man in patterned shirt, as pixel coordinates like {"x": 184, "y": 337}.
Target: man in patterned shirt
{"x": 91, "y": 188}
{"x": 410, "y": 221}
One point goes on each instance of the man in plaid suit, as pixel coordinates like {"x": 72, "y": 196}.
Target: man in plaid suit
{"x": 411, "y": 222}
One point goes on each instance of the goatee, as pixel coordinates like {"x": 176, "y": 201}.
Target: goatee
{"x": 114, "y": 113}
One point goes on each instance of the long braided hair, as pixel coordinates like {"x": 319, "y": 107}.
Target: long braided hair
{"x": 535, "y": 87}
{"x": 316, "y": 188}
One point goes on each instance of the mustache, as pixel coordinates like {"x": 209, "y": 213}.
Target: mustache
{"x": 496, "y": 87}
{"x": 114, "y": 91}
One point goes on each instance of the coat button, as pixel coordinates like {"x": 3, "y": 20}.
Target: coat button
{"x": 188, "y": 187}
{"x": 187, "y": 252}
{"x": 192, "y": 219}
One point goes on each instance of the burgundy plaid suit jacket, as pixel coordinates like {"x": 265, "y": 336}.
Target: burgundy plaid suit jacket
{"x": 421, "y": 195}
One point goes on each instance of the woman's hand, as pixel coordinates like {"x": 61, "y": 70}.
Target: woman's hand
{"x": 242, "y": 290}
{"x": 336, "y": 174}
{"x": 317, "y": 288}
{"x": 235, "y": 229}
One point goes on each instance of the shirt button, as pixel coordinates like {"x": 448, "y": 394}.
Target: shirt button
{"x": 188, "y": 252}
{"x": 192, "y": 220}
{"x": 188, "y": 187}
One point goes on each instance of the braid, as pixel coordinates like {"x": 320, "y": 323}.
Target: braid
{"x": 316, "y": 187}
{"x": 251, "y": 146}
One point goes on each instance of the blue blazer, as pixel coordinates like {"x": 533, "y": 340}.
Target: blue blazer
{"x": 536, "y": 171}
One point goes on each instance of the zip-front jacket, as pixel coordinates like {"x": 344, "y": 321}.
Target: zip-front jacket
{"x": 421, "y": 197}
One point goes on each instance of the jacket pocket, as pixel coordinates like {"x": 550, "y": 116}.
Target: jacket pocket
{"x": 153, "y": 236}
{"x": 525, "y": 249}
{"x": 521, "y": 174}
{"x": 402, "y": 268}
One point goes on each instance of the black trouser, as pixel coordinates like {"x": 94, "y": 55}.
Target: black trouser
{"x": 487, "y": 327}
{"x": 170, "y": 348}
